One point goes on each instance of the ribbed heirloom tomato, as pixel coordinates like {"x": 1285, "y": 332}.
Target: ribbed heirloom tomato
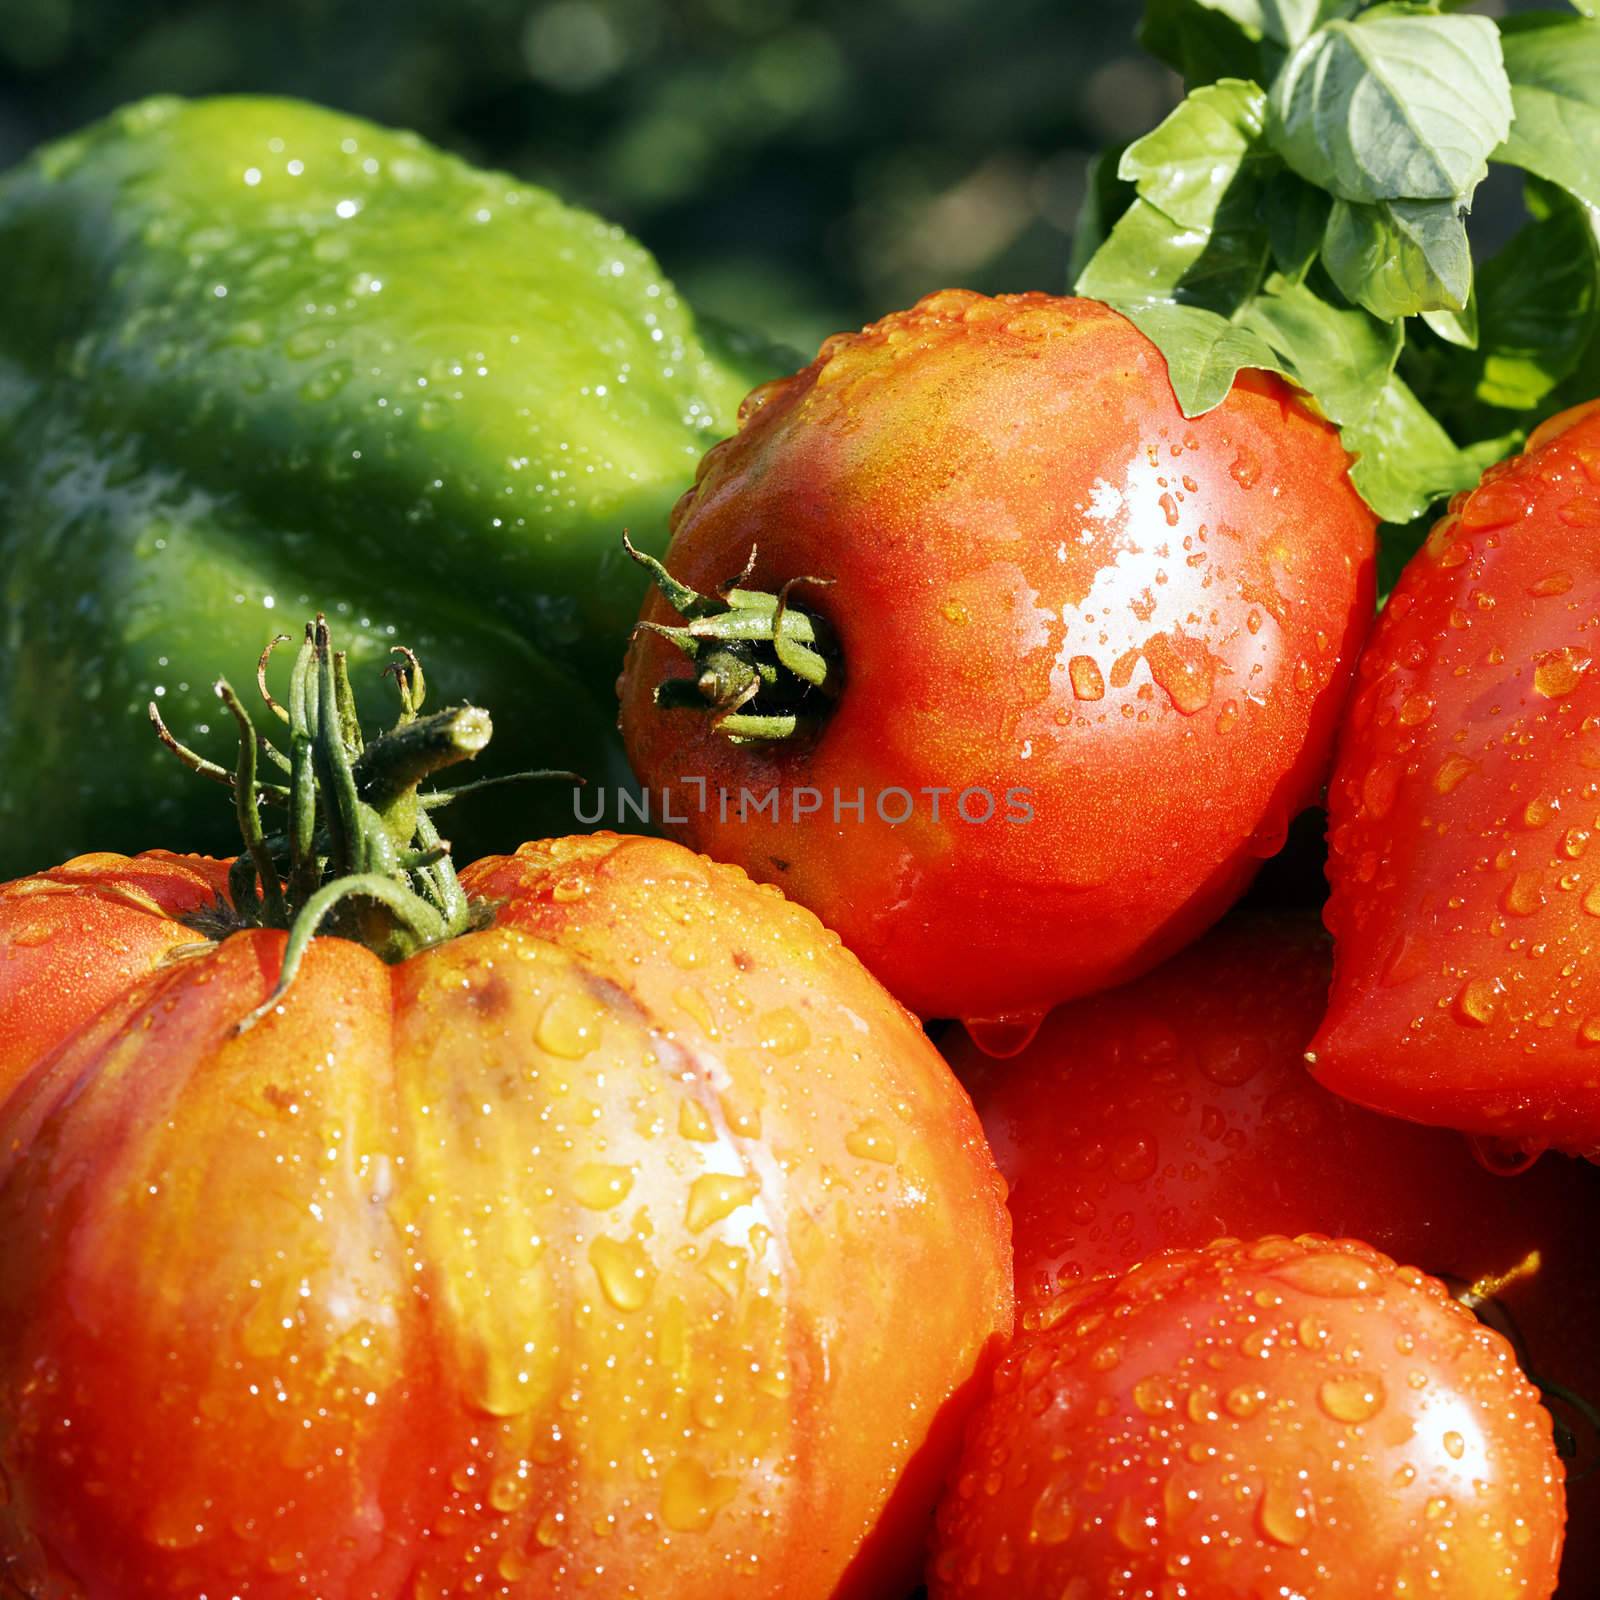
{"x": 1463, "y": 813}
{"x": 1041, "y": 578}
{"x": 586, "y": 1251}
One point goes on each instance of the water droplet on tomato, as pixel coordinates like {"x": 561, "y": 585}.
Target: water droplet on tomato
{"x": 1184, "y": 668}
{"x": 1415, "y": 709}
{"x": 1556, "y": 673}
{"x": 694, "y": 1122}
{"x": 1551, "y": 584}
{"x": 570, "y": 1026}
{"x": 513, "y": 1566}
{"x": 1333, "y": 1276}
{"x": 1283, "y": 1514}
{"x": 1494, "y": 505}
{"x": 600, "y": 1185}
{"x": 1132, "y": 1530}
{"x": 1153, "y": 1395}
{"x": 1054, "y": 1515}
{"x": 783, "y": 1031}
{"x": 1355, "y": 1397}
{"x": 716, "y": 1195}
{"x": 1232, "y": 1060}
{"x": 691, "y": 1497}
{"x": 1133, "y": 1157}
{"x": 726, "y": 1266}
{"x": 1474, "y": 1004}
{"x": 627, "y": 1276}
{"x": 1501, "y": 1156}
{"x": 1452, "y": 771}
{"x": 1003, "y": 1037}
{"x": 1525, "y": 894}
{"x": 510, "y": 1490}
{"x": 1087, "y": 683}
{"x": 1243, "y": 1401}
{"x": 872, "y": 1140}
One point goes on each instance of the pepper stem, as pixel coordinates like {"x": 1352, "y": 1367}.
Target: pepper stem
{"x": 359, "y": 856}
{"x": 766, "y": 667}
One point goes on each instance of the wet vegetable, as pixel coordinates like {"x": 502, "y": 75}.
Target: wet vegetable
{"x": 259, "y": 358}
{"x": 585, "y": 1251}
{"x": 1465, "y": 898}
{"x": 1286, "y": 1417}
{"x": 1179, "y": 1108}
{"x": 1075, "y": 665}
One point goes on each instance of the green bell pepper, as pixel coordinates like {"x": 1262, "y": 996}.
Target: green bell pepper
{"x": 259, "y": 359}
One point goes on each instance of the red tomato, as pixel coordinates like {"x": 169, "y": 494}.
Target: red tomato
{"x": 1466, "y": 894}
{"x": 570, "y": 1256}
{"x": 1044, "y": 578}
{"x": 1283, "y": 1418}
{"x": 1179, "y": 1108}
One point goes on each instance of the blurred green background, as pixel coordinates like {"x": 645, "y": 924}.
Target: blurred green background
{"x": 798, "y": 165}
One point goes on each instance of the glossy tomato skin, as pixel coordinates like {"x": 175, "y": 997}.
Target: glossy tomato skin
{"x": 514, "y": 1269}
{"x": 1045, "y": 578}
{"x": 1179, "y": 1108}
{"x": 1285, "y": 1417}
{"x": 84, "y": 904}
{"x": 1465, "y": 897}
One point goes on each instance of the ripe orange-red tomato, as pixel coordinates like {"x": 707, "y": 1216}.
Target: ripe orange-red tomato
{"x": 588, "y": 1252}
{"x": 1179, "y": 1108}
{"x": 1466, "y": 890}
{"x": 1044, "y": 578}
{"x": 1287, "y": 1417}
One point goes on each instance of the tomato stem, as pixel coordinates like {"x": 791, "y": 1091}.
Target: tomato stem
{"x": 765, "y": 667}
{"x": 360, "y": 856}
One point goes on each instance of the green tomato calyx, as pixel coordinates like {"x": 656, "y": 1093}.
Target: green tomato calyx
{"x": 358, "y": 855}
{"x": 766, "y": 668}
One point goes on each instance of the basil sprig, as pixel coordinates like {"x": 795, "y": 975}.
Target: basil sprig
{"x": 1304, "y": 210}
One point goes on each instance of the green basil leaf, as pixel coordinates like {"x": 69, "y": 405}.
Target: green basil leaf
{"x": 1200, "y": 43}
{"x": 1456, "y": 327}
{"x": 1194, "y": 236}
{"x": 1581, "y": 385}
{"x": 1553, "y": 63}
{"x": 1188, "y": 166}
{"x": 1394, "y": 105}
{"x": 1404, "y": 458}
{"x": 1342, "y": 356}
{"x": 1285, "y": 22}
{"x": 1149, "y": 260}
{"x": 1539, "y": 300}
{"x": 1400, "y": 257}
{"x": 1203, "y": 351}
{"x": 1296, "y": 215}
